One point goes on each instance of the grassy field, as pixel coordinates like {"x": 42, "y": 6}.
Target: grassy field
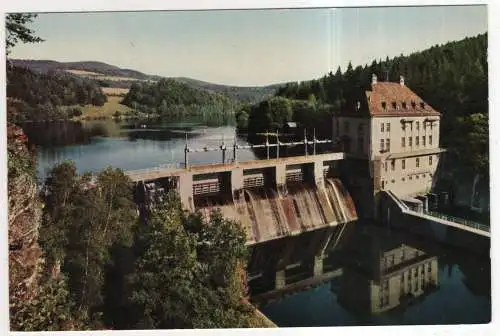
{"x": 114, "y": 91}
{"x": 105, "y": 111}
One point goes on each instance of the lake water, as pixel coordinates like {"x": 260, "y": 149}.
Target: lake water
{"x": 94, "y": 145}
{"x": 366, "y": 274}
{"x": 369, "y": 275}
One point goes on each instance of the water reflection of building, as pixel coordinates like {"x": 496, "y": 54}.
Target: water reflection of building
{"x": 293, "y": 264}
{"x": 384, "y": 273}
{"x": 370, "y": 269}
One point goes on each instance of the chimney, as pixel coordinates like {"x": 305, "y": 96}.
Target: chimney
{"x": 402, "y": 80}
{"x": 374, "y": 79}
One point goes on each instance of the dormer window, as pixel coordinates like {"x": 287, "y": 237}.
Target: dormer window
{"x": 394, "y": 105}
{"x": 404, "y": 105}
{"x": 384, "y": 105}
{"x": 422, "y": 105}
{"x": 413, "y": 104}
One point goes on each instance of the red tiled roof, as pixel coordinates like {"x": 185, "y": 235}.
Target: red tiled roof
{"x": 396, "y": 93}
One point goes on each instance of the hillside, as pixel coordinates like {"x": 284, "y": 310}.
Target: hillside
{"x": 169, "y": 98}
{"x": 90, "y": 66}
{"x": 244, "y": 94}
{"x": 112, "y": 76}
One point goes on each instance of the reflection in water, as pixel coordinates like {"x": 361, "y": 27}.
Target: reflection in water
{"x": 94, "y": 145}
{"x": 367, "y": 275}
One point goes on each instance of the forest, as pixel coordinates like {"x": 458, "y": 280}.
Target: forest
{"x": 81, "y": 257}
{"x": 171, "y": 99}
{"x": 452, "y": 78}
{"x": 35, "y": 96}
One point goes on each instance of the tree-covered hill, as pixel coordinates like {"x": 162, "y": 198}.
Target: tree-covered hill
{"x": 452, "y": 78}
{"x": 45, "y": 66}
{"x": 169, "y": 98}
{"x": 39, "y": 96}
{"x": 242, "y": 94}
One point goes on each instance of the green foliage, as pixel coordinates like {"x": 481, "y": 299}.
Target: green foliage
{"x": 171, "y": 99}
{"x": 452, "y": 78}
{"x": 40, "y": 96}
{"x": 470, "y": 146}
{"x": 186, "y": 271}
{"x": 50, "y": 310}
{"x": 17, "y": 30}
{"x": 81, "y": 223}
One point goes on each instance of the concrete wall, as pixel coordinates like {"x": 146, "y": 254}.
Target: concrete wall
{"x": 392, "y": 216}
{"x": 415, "y": 177}
{"x": 358, "y": 130}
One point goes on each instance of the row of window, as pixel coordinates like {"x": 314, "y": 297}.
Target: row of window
{"x": 403, "y": 163}
{"x": 385, "y": 144}
{"x": 386, "y": 127}
{"x": 403, "y": 104}
{"x": 417, "y": 141}
{"x": 410, "y": 177}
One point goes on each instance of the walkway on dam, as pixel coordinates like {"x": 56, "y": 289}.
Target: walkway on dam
{"x": 458, "y": 223}
{"x": 171, "y": 170}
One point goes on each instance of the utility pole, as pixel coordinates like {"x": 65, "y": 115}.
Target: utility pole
{"x": 186, "y": 151}
{"x": 314, "y": 141}
{"x": 235, "y": 147}
{"x": 267, "y": 144}
{"x": 277, "y": 145}
{"x": 305, "y": 142}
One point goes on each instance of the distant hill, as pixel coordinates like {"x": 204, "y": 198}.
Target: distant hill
{"x": 112, "y": 76}
{"x": 90, "y": 66}
{"x": 245, "y": 94}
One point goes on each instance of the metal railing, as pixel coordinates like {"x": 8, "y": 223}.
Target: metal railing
{"x": 457, "y": 220}
{"x": 162, "y": 167}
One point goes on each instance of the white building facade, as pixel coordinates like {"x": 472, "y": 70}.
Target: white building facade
{"x": 398, "y": 133}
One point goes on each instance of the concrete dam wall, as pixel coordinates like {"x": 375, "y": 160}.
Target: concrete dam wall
{"x": 267, "y": 213}
{"x": 270, "y": 198}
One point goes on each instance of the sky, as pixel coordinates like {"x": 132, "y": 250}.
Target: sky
{"x": 248, "y": 47}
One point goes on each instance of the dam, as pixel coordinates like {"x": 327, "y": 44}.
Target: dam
{"x": 272, "y": 198}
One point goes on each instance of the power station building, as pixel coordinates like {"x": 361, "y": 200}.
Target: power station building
{"x": 392, "y": 136}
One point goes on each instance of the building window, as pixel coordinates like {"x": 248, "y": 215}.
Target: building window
{"x": 346, "y": 127}
{"x": 383, "y": 184}
{"x": 393, "y": 164}
{"x": 403, "y": 143}
{"x": 417, "y": 125}
{"x": 404, "y": 105}
{"x": 388, "y": 127}
{"x": 409, "y": 141}
{"x": 382, "y": 127}
{"x": 416, "y": 141}
{"x": 423, "y": 140}
{"x": 386, "y": 164}
{"x": 394, "y": 105}
{"x": 403, "y": 179}
{"x": 417, "y": 177}
{"x": 430, "y": 160}
{"x": 388, "y": 144}
{"x": 417, "y": 162}
{"x": 422, "y": 105}
{"x": 403, "y": 164}
{"x": 381, "y": 145}
{"x": 384, "y": 105}
{"x": 430, "y": 140}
